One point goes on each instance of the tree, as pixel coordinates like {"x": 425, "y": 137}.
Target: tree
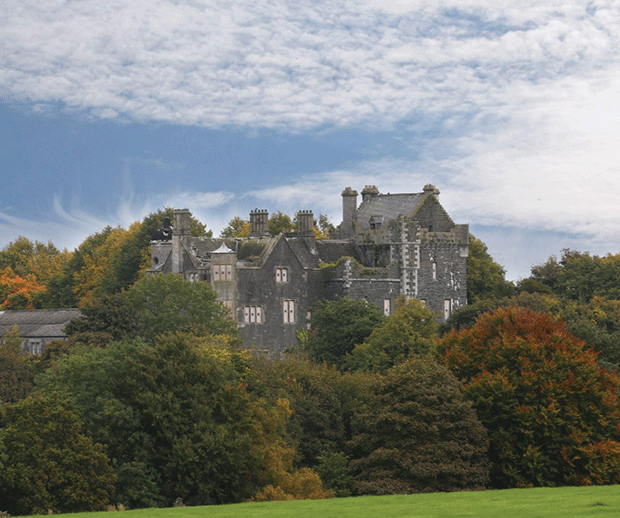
{"x": 167, "y": 303}
{"x": 548, "y": 406}
{"x": 46, "y": 463}
{"x": 338, "y": 326}
{"x": 410, "y": 331}
{"x": 485, "y": 278}
{"x": 279, "y": 223}
{"x": 580, "y": 276}
{"x": 108, "y": 314}
{"x": 16, "y": 371}
{"x": 325, "y": 227}
{"x": 418, "y": 434}
{"x": 237, "y": 227}
{"x": 176, "y": 417}
{"x": 18, "y": 292}
{"x": 322, "y": 401}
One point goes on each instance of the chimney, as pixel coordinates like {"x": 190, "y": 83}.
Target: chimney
{"x": 349, "y": 212}
{"x": 369, "y": 192}
{"x": 305, "y": 223}
{"x": 181, "y": 231}
{"x": 430, "y": 189}
{"x": 259, "y": 223}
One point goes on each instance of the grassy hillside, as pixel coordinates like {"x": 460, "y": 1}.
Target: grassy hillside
{"x": 573, "y": 502}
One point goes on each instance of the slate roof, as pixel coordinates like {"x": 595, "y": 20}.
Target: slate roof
{"x": 331, "y": 250}
{"x": 38, "y": 323}
{"x": 388, "y": 205}
{"x": 303, "y": 253}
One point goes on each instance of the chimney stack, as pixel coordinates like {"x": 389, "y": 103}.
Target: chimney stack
{"x": 349, "y": 212}
{"x": 259, "y": 223}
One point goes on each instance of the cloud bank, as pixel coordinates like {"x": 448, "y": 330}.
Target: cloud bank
{"x": 514, "y": 105}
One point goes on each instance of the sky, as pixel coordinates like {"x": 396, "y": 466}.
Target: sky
{"x": 113, "y": 109}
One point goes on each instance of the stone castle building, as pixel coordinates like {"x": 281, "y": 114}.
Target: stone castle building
{"x": 387, "y": 246}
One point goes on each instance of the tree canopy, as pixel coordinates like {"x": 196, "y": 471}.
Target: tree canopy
{"x": 485, "y": 278}
{"x": 339, "y": 325}
{"x": 418, "y": 434}
{"x": 61, "y": 470}
{"x": 549, "y": 408}
{"x": 410, "y": 331}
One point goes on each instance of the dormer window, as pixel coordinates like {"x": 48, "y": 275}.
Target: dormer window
{"x": 375, "y": 222}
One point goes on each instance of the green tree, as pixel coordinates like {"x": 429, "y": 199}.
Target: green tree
{"x": 546, "y": 403}
{"x": 418, "y": 434}
{"x": 167, "y": 303}
{"x": 175, "y": 415}
{"x": 338, "y": 326}
{"x": 410, "y": 331}
{"x": 279, "y": 223}
{"x": 580, "y": 276}
{"x": 325, "y": 226}
{"x": 16, "y": 369}
{"x": 322, "y": 401}
{"x": 109, "y": 314}
{"x": 485, "y": 278}
{"x": 47, "y": 464}
{"x": 237, "y": 227}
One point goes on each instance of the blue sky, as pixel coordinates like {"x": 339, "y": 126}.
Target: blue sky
{"x": 110, "y": 110}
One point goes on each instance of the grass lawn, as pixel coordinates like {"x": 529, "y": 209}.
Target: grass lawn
{"x": 565, "y": 502}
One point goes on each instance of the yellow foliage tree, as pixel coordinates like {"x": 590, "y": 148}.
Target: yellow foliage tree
{"x": 281, "y": 481}
{"x": 18, "y": 292}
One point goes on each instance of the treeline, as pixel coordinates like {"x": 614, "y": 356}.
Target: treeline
{"x": 152, "y": 401}
{"x": 39, "y": 275}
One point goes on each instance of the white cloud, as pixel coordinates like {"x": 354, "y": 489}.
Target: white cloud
{"x": 270, "y": 64}
{"x": 527, "y": 93}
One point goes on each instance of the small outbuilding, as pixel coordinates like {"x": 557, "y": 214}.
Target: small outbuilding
{"x": 37, "y": 327}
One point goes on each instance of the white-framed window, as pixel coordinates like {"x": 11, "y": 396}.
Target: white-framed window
{"x": 288, "y": 311}
{"x": 434, "y": 268}
{"x": 253, "y": 314}
{"x": 447, "y": 308}
{"x": 387, "y": 307}
{"x": 308, "y": 319}
{"x": 281, "y": 275}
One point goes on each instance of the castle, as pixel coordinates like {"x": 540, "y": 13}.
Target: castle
{"x": 390, "y": 245}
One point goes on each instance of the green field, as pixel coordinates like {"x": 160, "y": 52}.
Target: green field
{"x": 566, "y": 502}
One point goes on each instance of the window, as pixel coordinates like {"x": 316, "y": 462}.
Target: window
{"x": 288, "y": 311}
{"x": 35, "y": 346}
{"x": 253, "y": 314}
{"x": 387, "y": 307}
{"x": 222, "y": 272}
{"x": 281, "y": 275}
{"x": 434, "y": 266}
{"x": 308, "y": 319}
{"x": 447, "y": 308}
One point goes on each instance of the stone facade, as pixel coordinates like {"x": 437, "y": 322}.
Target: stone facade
{"x": 390, "y": 245}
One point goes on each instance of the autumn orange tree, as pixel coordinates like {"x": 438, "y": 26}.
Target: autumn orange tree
{"x": 552, "y": 413}
{"x": 18, "y": 292}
